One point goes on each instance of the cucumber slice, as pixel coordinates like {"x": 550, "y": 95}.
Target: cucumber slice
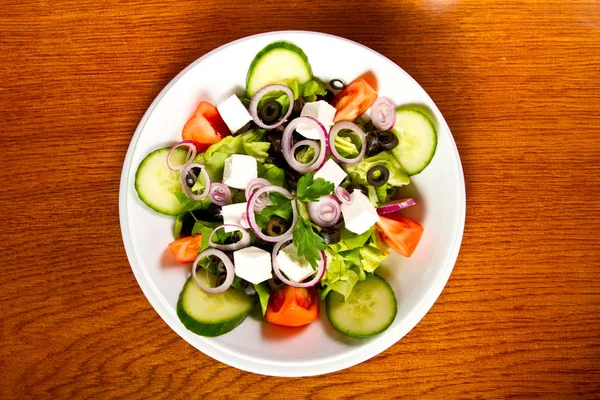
{"x": 212, "y": 314}
{"x": 369, "y": 310}
{"x": 418, "y": 140}
{"x": 156, "y": 184}
{"x": 279, "y": 62}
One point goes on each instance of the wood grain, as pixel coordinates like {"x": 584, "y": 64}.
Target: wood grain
{"x": 519, "y": 84}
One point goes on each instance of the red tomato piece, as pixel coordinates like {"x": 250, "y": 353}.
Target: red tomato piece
{"x": 353, "y": 100}
{"x": 400, "y": 233}
{"x": 293, "y": 306}
{"x": 185, "y": 249}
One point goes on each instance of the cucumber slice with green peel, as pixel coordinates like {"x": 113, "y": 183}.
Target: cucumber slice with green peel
{"x": 212, "y": 314}
{"x": 418, "y": 140}
{"x": 370, "y": 309}
{"x": 156, "y": 184}
{"x": 279, "y": 62}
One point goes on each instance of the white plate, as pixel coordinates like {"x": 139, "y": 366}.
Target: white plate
{"x": 317, "y": 348}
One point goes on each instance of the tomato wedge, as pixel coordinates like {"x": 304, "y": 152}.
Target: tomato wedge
{"x": 210, "y": 112}
{"x": 353, "y": 100}
{"x": 205, "y": 127}
{"x": 293, "y": 306}
{"x": 185, "y": 250}
{"x": 400, "y": 233}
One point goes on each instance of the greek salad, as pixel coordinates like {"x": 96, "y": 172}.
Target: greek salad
{"x": 286, "y": 195}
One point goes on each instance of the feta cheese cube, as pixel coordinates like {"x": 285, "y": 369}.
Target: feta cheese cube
{"x": 234, "y": 113}
{"x": 234, "y": 214}
{"x": 331, "y": 172}
{"x": 292, "y": 265}
{"x": 360, "y": 215}
{"x": 239, "y": 170}
{"x": 252, "y": 264}
{"x": 320, "y": 110}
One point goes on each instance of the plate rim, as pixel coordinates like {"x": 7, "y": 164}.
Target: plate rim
{"x": 293, "y": 368}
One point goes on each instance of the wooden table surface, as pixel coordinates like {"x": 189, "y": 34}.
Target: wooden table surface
{"x": 519, "y": 85}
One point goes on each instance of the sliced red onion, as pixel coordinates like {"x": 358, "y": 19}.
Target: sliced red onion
{"x": 254, "y": 185}
{"x": 228, "y": 270}
{"x": 310, "y": 143}
{"x": 326, "y": 212}
{"x": 191, "y": 154}
{"x": 252, "y": 219}
{"x": 186, "y": 189}
{"x": 240, "y": 244}
{"x": 286, "y": 145}
{"x": 383, "y": 113}
{"x": 253, "y": 108}
{"x": 220, "y": 194}
{"x": 343, "y": 195}
{"x": 321, "y": 267}
{"x": 396, "y": 205}
{"x": 337, "y": 128}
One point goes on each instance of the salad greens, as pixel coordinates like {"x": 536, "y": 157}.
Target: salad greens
{"x": 341, "y": 224}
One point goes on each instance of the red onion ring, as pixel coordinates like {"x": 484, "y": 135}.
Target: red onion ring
{"x": 383, "y": 113}
{"x": 220, "y": 194}
{"x": 186, "y": 189}
{"x": 286, "y": 145}
{"x": 254, "y": 185}
{"x": 337, "y": 128}
{"x": 243, "y": 242}
{"x": 321, "y": 267}
{"x": 396, "y": 205}
{"x": 326, "y": 212}
{"x": 253, "y": 108}
{"x": 192, "y": 151}
{"x": 252, "y": 219}
{"x": 228, "y": 270}
{"x": 310, "y": 143}
{"x": 343, "y": 195}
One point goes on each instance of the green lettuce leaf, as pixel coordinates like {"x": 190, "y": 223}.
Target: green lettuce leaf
{"x": 305, "y": 155}
{"x": 345, "y": 147}
{"x": 358, "y": 174}
{"x": 258, "y": 150}
{"x": 263, "y": 292}
{"x": 191, "y": 205}
{"x": 374, "y": 252}
{"x": 350, "y": 260}
{"x": 339, "y": 276}
{"x": 216, "y": 165}
{"x": 272, "y": 173}
{"x": 350, "y": 240}
{"x": 312, "y": 89}
{"x": 251, "y": 143}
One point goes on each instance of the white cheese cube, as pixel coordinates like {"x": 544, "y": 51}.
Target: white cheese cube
{"x": 252, "y": 264}
{"x": 234, "y": 113}
{"x": 234, "y": 214}
{"x": 360, "y": 215}
{"x": 292, "y": 265}
{"x": 320, "y": 110}
{"x": 239, "y": 170}
{"x": 331, "y": 172}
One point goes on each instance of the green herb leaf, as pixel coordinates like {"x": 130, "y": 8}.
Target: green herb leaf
{"x": 310, "y": 189}
{"x": 307, "y": 242}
